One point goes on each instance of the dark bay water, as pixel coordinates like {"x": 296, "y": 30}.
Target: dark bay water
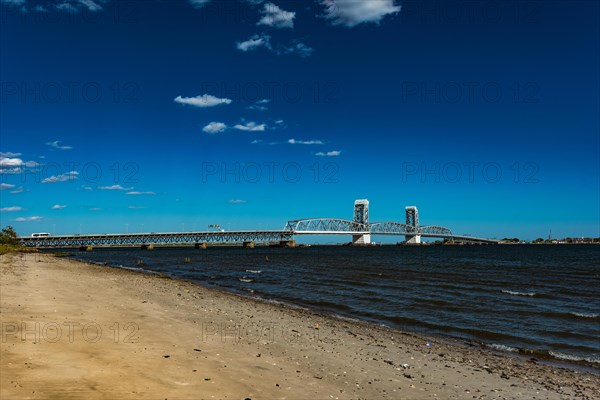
{"x": 541, "y": 298}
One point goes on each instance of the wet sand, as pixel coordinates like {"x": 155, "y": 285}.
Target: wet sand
{"x": 73, "y": 330}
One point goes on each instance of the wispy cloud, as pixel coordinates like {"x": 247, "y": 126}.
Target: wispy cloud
{"x": 237, "y": 201}
{"x": 17, "y": 190}
{"x": 114, "y": 187}
{"x": 95, "y": 209}
{"x": 297, "y": 48}
{"x": 35, "y": 218}
{"x": 198, "y": 3}
{"x": 141, "y": 193}
{"x": 255, "y": 42}
{"x": 262, "y": 40}
{"x": 214, "y": 127}
{"x": 56, "y": 145}
{"x": 275, "y": 17}
{"x": 257, "y": 141}
{"x": 8, "y": 154}
{"x": 259, "y": 105}
{"x": 250, "y": 126}
{"x": 294, "y": 141}
{"x": 69, "y": 176}
{"x": 333, "y": 153}
{"x": 12, "y": 209}
{"x": 352, "y": 12}
{"x": 58, "y": 207}
{"x": 202, "y": 101}
{"x": 13, "y": 2}
{"x": 136, "y": 207}
{"x": 5, "y": 186}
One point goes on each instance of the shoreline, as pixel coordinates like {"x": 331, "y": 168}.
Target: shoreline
{"x": 183, "y": 327}
{"x": 540, "y": 356}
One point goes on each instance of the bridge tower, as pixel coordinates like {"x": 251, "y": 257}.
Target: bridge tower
{"x": 361, "y": 216}
{"x": 412, "y": 219}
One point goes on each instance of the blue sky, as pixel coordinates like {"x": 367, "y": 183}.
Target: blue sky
{"x": 172, "y": 115}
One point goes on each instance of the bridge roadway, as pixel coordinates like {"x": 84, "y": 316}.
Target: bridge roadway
{"x": 293, "y": 228}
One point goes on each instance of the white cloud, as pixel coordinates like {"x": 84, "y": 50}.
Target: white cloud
{"x": 250, "y": 126}
{"x": 136, "y": 207}
{"x": 58, "y": 206}
{"x": 77, "y": 5}
{"x": 114, "y": 187}
{"x": 87, "y": 188}
{"x": 333, "y": 153}
{"x": 259, "y": 105}
{"x": 10, "y": 171}
{"x": 69, "y": 176}
{"x": 16, "y": 191}
{"x": 352, "y": 12}
{"x": 10, "y": 162}
{"x": 294, "y": 141}
{"x": 198, "y": 3}
{"x": 237, "y": 201}
{"x": 214, "y": 127}
{"x": 257, "y": 141}
{"x": 203, "y": 101}
{"x": 95, "y": 209}
{"x": 297, "y": 48}
{"x": 257, "y": 108}
{"x": 13, "y": 2}
{"x": 56, "y": 145}
{"x": 255, "y": 42}
{"x": 28, "y": 219}
{"x": 141, "y": 193}
{"x": 11, "y": 209}
{"x": 31, "y": 164}
{"x": 276, "y": 17}
{"x": 8, "y": 154}
{"x": 4, "y": 186}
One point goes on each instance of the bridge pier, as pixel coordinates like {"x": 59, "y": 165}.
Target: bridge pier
{"x": 147, "y": 247}
{"x": 248, "y": 245}
{"x": 202, "y": 245}
{"x": 86, "y": 248}
{"x": 416, "y": 239}
{"x": 361, "y": 240}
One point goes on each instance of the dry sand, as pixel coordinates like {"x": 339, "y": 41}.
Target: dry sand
{"x": 72, "y": 330}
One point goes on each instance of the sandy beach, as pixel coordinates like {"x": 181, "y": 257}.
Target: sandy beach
{"x": 72, "y": 330}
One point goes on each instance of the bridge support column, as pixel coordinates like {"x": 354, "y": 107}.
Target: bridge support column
{"x": 202, "y": 245}
{"x": 248, "y": 245}
{"x": 86, "y": 248}
{"x": 416, "y": 239}
{"x": 361, "y": 240}
{"x": 287, "y": 243}
{"x": 147, "y": 247}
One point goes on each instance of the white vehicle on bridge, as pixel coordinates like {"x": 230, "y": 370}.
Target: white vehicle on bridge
{"x": 41, "y": 234}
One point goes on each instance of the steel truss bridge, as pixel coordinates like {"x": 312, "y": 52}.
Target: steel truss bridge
{"x": 359, "y": 228}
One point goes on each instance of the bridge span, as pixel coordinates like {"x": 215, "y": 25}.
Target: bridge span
{"x": 360, "y": 229}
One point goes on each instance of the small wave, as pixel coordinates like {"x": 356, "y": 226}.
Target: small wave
{"x": 571, "y": 357}
{"x": 531, "y": 294}
{"x": 585, "y": 315}
{"x": 503, "y": 347}
{"x": 246, "y": 280}
{"x": 254, "y": 271}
